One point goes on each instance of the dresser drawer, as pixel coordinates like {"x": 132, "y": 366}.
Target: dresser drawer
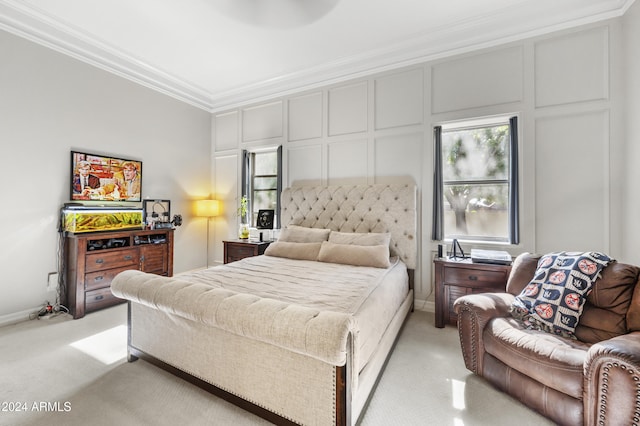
{"x": 474, "y": 277}
{"x": 101, "y": 279}
{"x": 98, "y": 299}
{"x": 112, "y": 259}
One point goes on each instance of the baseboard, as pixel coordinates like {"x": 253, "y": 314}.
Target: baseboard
{"x": 424, "y": 305}
{"x": 17, "y": 317}
{"x": 202, "y": 268}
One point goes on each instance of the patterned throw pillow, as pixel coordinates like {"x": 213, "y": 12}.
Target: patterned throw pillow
{"x": 554, "y": 299}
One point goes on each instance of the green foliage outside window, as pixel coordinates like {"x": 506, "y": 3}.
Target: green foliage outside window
{"x": 475, "y": 171}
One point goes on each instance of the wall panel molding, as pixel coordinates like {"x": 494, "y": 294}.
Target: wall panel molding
{"x": 484, "y": 79}
{"x": 264, "y": 121}
{"x": 572, "y": 68}
{"x": 347, "y": 162}
{"x": 305, "y": 117}
{"x": 572, "y": 182}
{"x": 226, "y": 131}
{"x": 348, "y": 107}
{"x": 398, "y": 157}
{"x": 399, "y": 99}
{"x": 305, "y": 165}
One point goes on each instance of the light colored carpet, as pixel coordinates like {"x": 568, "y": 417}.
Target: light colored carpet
{"x": 61, "y": 371}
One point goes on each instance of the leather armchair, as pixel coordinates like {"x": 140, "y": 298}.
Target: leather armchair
{"x": 594, "y": 379}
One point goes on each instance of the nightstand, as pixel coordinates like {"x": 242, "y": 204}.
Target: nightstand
{"x": 455, "y": 278}
{"x": 239, "y": 249}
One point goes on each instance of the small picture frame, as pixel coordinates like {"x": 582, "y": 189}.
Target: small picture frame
{"x": 265, "y": 219}
{"x": 156, "y": 211}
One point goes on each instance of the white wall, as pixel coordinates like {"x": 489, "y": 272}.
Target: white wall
{"x": 564, "y": 87}
{"x": 575, "y": 92}
{"x": 631, "y": 195}
{"x": 51, "y": 104}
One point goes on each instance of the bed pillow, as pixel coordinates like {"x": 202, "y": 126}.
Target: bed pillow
{"x": 301, "y": 234}
{"x": 554, "y": 299}
{"x": 299, "y": 251}
{"x": 360, "y": 239}
{"x": 350, "y": 254}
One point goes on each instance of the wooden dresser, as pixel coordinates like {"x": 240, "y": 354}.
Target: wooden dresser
{"x": 92, "y": 260}
{"x": 455, "y": 278}
{"x": 239, "y": 249}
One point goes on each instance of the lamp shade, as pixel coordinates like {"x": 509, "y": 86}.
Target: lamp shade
{"x": 207, "y": 208}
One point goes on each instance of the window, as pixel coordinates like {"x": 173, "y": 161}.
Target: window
{"x": 476, "y": 181}
{"x": 262, "y": 182}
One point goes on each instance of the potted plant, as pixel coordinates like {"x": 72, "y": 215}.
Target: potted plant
{"x": 243, "y": 231}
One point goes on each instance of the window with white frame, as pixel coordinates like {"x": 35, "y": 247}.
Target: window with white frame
{"x": 476, "y": 181}
{"x": 262, "y": 182}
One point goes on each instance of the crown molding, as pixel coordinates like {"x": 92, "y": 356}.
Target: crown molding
{"x": 466, "y": 36}
{"x": 34, "y": 25}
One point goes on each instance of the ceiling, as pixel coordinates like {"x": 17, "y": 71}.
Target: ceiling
{"x": 218, "y": 54}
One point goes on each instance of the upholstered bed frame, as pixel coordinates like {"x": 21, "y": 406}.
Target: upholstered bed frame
{"x": 283, "y": 385}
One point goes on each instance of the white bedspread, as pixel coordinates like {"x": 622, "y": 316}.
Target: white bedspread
{"x": 306, "y": 306}
{"x": 324, "y": 286}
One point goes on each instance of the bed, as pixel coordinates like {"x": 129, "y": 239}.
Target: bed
{"x": 301, "y": 334}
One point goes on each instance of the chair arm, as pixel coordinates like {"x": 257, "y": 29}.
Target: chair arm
{"x": 612, "y": 381}
{"x": 474, "y": 312}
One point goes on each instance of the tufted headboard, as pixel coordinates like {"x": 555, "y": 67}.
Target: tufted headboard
{"x": 358, "y": 208}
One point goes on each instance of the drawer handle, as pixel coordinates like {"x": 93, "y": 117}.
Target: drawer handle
{"x": 99, "y": 297}
{"x": 100, "y": 278}
{"x": 99, "y": 260}
{"x": 473, "y": 278}
{"x": 128, "y": 257}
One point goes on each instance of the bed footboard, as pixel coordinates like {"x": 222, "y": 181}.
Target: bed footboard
{"x": 135, "y": 354}
{"x": 282, "y": 386}
{"x": 291, "y": 388}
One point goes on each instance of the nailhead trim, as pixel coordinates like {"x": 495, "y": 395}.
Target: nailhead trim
{"x": 473, "y": 320}
{"x": 602, "y": 409}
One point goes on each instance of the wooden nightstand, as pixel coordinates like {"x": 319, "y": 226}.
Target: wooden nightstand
{"x": 455, "y": 278}
{"x": 239, "y": 249}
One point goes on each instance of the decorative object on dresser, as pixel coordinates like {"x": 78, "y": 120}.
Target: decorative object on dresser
{"x": 91, "y": 260}
{"x": 77, "y": 218}
{"x": 458, "y": 277}
{"x": 157, "y": 213}
{"x": 239, "y": 249}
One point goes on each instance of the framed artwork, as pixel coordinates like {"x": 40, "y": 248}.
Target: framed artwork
{"x": 265, "y": 219}
{"x": 156, "y": 211}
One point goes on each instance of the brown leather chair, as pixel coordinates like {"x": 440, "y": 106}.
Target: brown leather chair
{"x": 594, "y": 379}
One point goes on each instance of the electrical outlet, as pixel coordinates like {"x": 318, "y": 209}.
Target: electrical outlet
{"x": 52, "y": 281}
